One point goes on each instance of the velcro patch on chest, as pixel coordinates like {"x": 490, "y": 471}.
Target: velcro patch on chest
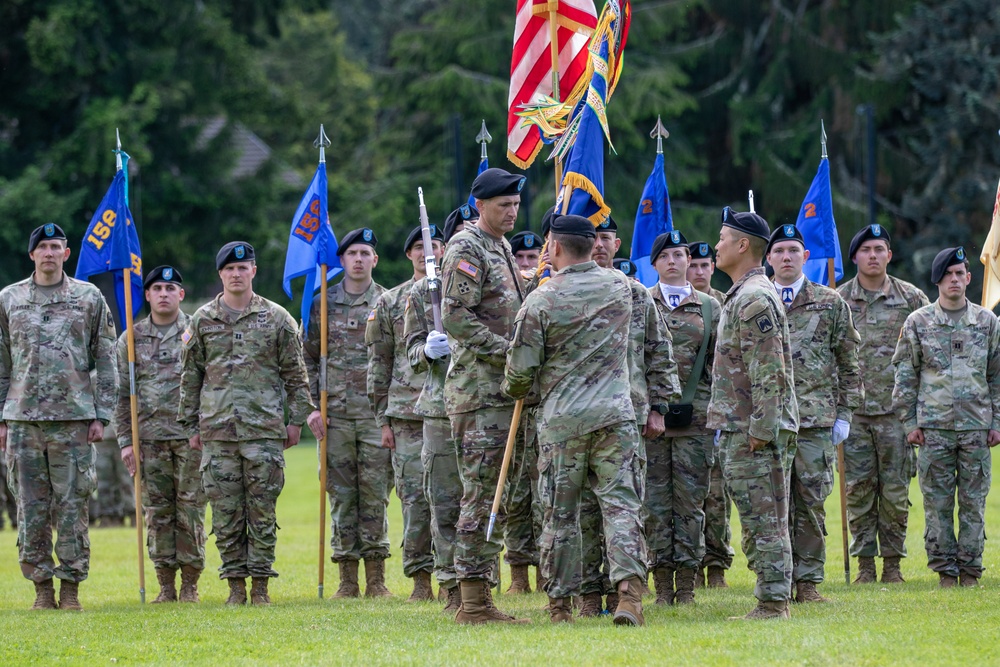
{"x": 469, "y": 269}
{"x": 819, "y": 306}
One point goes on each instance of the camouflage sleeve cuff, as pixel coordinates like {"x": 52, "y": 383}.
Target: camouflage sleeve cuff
{"x": 845, "y": 414}
{"x": 909, "y": 426}
{"x": 762, "y": 434}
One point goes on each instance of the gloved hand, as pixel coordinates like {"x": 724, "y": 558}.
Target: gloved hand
{"x": 841, "y": 429}
{"x": 436, "y": 345}
{"x": 718, "y": 436}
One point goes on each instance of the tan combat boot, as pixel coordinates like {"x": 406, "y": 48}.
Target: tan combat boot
{"x": 591, "y": 605}
{"x": 189, "y": 583}
{"x": 767, "y": 610}
{"x": 168, "y": 586}
{"x": 890, "y": 571}
{"x": 866, "y": 571}
{"x": 477, "y": 606}
{"x": 68, "y": 596}
{"x": 685, "y": 586}
{"x": 454, "y": 597}
{"x": 422, "y": 591}
{"x": 258, "y": 592}
{"x": 805, "y": 591}
{"x": 611, "y": 604}
{"x": 699, "y": 578}
{"x": 519, "y": 580}
{"x": 560, "y": 610}
{"x": 629, "y": 611}
{"x": 717, "y": 577}
{"x": 45, "y": 596}
{"x": 348, "y": 580}
{"x": 237, "y": 592}
{"x": 540, "y": 580}
{"x": 967, "y": 580}
{"x": 663, "y": 581}
{"x": 375, "y": 579}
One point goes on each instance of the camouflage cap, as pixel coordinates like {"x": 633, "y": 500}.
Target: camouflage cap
{"x": 49, "y": 230}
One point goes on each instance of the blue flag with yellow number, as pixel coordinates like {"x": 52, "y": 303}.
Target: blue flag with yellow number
{"x": 111, "y": 243}
{"x": 311, "y": 242}
{"x": 652, "y": 219}
{"x": 819, "y": 229}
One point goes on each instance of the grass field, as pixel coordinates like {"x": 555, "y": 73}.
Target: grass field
{"x": 915, "y": 623}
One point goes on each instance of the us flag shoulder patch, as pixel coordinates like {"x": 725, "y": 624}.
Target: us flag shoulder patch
{"x": 371, "y": 315}
{"x": 469, "y": 269}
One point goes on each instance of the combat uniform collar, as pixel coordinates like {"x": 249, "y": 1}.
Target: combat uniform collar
{"x": 369, "y": 296}
{"x": 256, "y": 305}
{"x": 859, "y": 293}
{"x": 807, "y": 293}
{"x": 756, "y": 271}
{"x": 58, "y": 295}
{"x": 145, "y": 327}
{"x": 944, "y": 319}
{"x": 578, "y": 268}
{"x": 500, "y": 241}
{"x": 693, "y": 297}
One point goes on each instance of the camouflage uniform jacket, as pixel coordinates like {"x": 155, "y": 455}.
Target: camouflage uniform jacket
{"x": 879, "y": 320}
{"x": 236, "y": 375}
{"x": 48, "y": 346}
{"x": 718, "y": 295}
{"x": 687, "y": 329}
{"x": 825, "y": 355}
{"x": 419, "y": 320}
{"x": 572, "y": 333}
{"x": 652, "y": 370}
{"x": 947, "y": 374}
{"x": 480, "y": 299}
{"x": 393, "y": 385}
{"x": 753, "y": 387}
{"x": 347, "y": 354}
{"x": 157, "y": 383}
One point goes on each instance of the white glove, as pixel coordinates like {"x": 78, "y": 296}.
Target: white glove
{"x": 841, "y": 429}
{"x": 436, "y": 345}
{"x": 718, "y": 436}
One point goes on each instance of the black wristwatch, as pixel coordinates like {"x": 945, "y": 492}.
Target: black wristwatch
{"x": 662, "y": 408}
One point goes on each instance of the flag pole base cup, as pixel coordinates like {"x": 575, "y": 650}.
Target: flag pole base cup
{"x": 489, "y": 526}
{"x": 321, "y": 591}
{"x": 142, "y": 596}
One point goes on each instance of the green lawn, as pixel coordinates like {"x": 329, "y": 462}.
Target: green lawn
{"x": 872, "y": 625}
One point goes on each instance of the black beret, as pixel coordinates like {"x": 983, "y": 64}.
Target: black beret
{"x": 463, "y": 214}
{"x": 163, "y": 274}
{"x": 574, "y": 225}
{"x": 49, "y": 230}
{"x": 701, "y": 250}
{"x": 608, "y": 225}
{"x": 496, "y": 182}
{"x": 525, "y": 240}
{"x": 417, "y": 235}
{"x": 362, "y": 235}
{"x": 785, "y": 233}
{"x": 236, "y": 251}
{"x": 665, "y": 240}
{"x": 626, "y": 266}
{"x": 748, "y": 223}
{"x": 944, "y": 259}
{"x": 869, "y": 233}
{"x": 547, "y": 220}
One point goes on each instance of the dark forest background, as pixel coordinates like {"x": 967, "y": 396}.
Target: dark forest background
{"x": 218, "y": 103}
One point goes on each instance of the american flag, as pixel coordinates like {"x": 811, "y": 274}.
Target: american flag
{"x": 531, "y": 64}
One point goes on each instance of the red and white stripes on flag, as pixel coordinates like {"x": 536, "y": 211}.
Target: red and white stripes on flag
{"x": 531, "y": 64}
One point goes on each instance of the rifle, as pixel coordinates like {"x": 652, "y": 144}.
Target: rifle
{"x": 433, "y": 282}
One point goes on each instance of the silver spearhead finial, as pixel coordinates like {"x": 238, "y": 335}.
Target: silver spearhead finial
{"x": 659, "y": 133}
{"x": 822, "y": 131}
{"x": 484, "y": 137}
{"x": 322, "y": 141}
{"x": 118, "y": 150}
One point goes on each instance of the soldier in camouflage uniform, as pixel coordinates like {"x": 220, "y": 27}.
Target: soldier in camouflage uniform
{"x": 571, "y": 336}
{"x": 652, "y": 381}
{"x": 359, "y": 453}
{"x": 428, "y": 352}
{"x": 115, "y": 499}
{"x": 753, "y": 404}
{"x": 242, "y": 368}
{"x": 824, "y": 346}
{"x": 482, "y": 293}
{"x": 680, "y": 461}
{"x": 718, "y": 505}
{"x": 172, "y": 497}
{"x": 53, "y": 331}
{"x": 393, "y": 390}
{"x": 8, "y": 501}
{"x": 947, "y": 395}
{"x": 878, "y": 461}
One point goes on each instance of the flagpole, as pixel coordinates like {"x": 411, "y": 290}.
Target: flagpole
{"x": 324, "y": 343}
{"x": 982, "y": 301}
{"x": 133, "y": 400}
{"x": 554, "y": 53}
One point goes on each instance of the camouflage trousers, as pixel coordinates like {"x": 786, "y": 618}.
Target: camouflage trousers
{"x": 608, "y": 460}
{"x": 524, "y": 511}
{"x": 879, "y": 465}
{"x": 50, "y": 469}
{"x": 359, "y": 477}
{"x": 115, "y": 496}
{"x": 811, "y": 484}
{"x": 173, "y": 504}
{"x": 409, "y": 475}
{"x": 756, "y": 483}
{"x": 594, "y": 551}
{"x": 677, "y": 480}
{"x": 954, "y": 463}
{"x": 8, "y": 499}
{"x": 718, "y": 510}
{"x": 481, "y": 436}
{"x": 443, "y": 490}
{"x": 242, "y": 481}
